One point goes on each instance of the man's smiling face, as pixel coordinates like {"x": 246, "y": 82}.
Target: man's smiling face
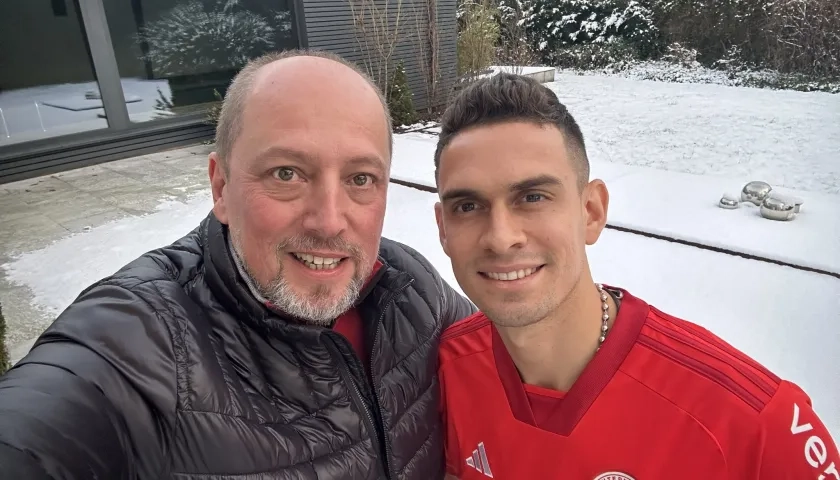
{"x": 305, "y": 193}
{"x": 513, "y": 218}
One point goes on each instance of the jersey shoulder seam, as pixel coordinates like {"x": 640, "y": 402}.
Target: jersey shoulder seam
{"x": 682, "y": 339}
{"x": 468, "y": 325}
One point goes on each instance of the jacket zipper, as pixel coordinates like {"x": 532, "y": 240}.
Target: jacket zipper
{"x": 357, "y": 397}
{"x": 348, "y": 377}
{"x": 388, "y": 456}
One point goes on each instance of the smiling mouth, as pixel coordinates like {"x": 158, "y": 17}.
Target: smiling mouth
{"x": 512, "y": 275}
{"x": 318, "y": 263}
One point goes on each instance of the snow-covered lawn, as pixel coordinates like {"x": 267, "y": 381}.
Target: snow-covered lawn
{"x": 785, "y": 138}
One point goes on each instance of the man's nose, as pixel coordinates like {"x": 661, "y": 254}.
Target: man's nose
{"x": 503, "y": 231}
{"x": 326, "y": 209}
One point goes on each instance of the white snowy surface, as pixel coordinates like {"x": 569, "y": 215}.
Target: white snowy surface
{"x": 668, "y": 71}
{"x": 784, "y": 318}
{"x": 684, "y": 206}
{"x": 58, "y": 273}
{"x": 786, "y": 138}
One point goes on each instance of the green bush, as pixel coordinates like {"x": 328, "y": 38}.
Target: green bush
{"x": 4, "y": 354}
{"x": 595, "y": 55}
{"x": 399, "y": 97}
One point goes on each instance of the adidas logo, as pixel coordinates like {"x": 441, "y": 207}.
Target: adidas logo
{"x": 479, "y": 461}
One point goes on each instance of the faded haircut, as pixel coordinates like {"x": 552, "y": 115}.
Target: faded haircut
{"x": 506, "y": 97}
{"x": 229, "y": 125}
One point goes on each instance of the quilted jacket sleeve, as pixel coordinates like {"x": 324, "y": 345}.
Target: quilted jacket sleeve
{"x": 456, "y": 307}
{"x": 453, "y": 305}
{"x": 88, "y": 401}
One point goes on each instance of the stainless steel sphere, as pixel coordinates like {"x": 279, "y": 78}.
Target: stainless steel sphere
{"x": 789, "y": 199}
{"x": 729, "y": 202}
{"x": 755, "y": 192}
{"x": 776, "y": 209}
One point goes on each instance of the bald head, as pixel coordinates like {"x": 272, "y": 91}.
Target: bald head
{"x": 296, "y": 79}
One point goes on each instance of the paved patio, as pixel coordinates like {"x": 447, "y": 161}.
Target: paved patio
{"x": 36, "y": 212}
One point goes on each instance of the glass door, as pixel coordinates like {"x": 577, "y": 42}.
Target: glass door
{"x": 47, "y": 82}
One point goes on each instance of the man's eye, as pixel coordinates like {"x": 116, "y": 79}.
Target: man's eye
{"x": 533, "y": 197}
{"x": 285, "y": 174}
{"x": 361, "y": 180}
{"x": 465, "y": 207}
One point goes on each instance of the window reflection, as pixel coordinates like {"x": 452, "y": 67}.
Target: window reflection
{"x": 178, "y": 57}
{"x": 47, "y": 83}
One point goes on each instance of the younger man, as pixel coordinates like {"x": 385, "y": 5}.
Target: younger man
{"x": 559, "y": 377}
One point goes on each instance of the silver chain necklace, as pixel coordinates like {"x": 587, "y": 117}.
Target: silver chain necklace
{"x": 605, "y": 316}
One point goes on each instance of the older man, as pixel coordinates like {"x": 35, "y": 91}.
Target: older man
{"x": 281, "y": 339}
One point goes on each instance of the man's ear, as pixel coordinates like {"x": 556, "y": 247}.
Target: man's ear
{"x": 218, "y": 182}
{"x": 441, "y": 229}
{"x": 596, "y": 200}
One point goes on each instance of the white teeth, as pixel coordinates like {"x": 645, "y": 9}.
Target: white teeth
{"x": 317, "y": 263}
{"x": 514, "y": 275}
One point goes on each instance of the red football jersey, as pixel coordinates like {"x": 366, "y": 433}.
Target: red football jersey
{"x": 662, "y": 399}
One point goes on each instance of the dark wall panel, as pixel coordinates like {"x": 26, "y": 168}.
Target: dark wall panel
{"x": 329, "y": 26}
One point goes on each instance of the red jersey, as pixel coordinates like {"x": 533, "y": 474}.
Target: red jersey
{"x": 662, "y": 399}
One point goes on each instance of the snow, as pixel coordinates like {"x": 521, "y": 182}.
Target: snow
{"x": 520, "y": 70}
{"x": 669, "y": 71}
{"x": 786, "y": 138}
{"x": 684, "y": 206}
{"x": 57, "y": 273}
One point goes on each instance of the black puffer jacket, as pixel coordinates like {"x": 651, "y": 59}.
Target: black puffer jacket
{"x": 171, "y": 369}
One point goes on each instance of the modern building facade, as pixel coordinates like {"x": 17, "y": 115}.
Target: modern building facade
{"x": 89, "y": 81}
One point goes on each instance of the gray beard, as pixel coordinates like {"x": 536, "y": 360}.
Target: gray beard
{"x": 315, "y": 309}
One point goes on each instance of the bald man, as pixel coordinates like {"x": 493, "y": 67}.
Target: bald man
{"x": 282, "y": 338}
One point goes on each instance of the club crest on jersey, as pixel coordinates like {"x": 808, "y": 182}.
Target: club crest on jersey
{"x": 614, "y": 476}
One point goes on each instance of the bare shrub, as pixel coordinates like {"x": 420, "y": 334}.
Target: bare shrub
{"x": 427, "y": 48}
{"x": 514, "y": 49}
{"x": 477, "y": 38}
{"x": 378, "y": 30}
{"x": 805, "y": 37}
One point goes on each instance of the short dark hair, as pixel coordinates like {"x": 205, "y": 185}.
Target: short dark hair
{"x": 508, "y": 97}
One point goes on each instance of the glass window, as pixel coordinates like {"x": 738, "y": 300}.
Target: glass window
{"x": 178, "y": 56}
{"x": 47, "y": 82}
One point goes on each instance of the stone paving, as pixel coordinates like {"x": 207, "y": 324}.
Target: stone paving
{"x": 36, "y": 212}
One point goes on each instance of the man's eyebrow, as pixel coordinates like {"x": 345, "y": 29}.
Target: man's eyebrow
{"x": 534, "y": 182}
{"x": 278, "y": 151}
{"x": 300, "y": 156}
{"x": 458, "y": 193}
{"x": 522, "y": 185}
{"x": 369, "y": 160}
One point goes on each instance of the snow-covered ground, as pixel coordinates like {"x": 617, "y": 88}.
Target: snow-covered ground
{"x": 669, "y": 71}
{"x": 786, "y": 138}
